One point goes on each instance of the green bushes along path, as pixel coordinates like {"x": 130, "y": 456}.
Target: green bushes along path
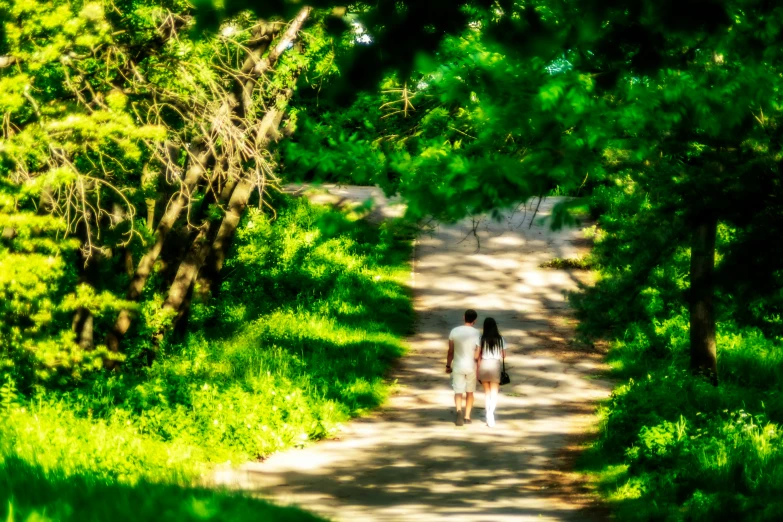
{"x": 309, "y": 318}
{"x": 673, "y": 446}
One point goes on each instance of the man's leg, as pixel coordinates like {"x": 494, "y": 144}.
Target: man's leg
{"x": 458, "y": 382}
{"x": 470, "y": 388}
{"x": 468, "y": 405}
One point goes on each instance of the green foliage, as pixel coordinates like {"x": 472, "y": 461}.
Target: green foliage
{"x": 8, "y": 395}
{"x": 35, "y": 494}
{"x": 102, "y": 103}
{"x": 35, "y": 277}
{"x": 49, "y": 432}
{"x": 672, "y": 446}
{"x": 389, "y": 23}
{"x": 298, "y": 340}
{"x": 448, "y": 139}
{"x": 668, "y": 112}
{"x": 569, "y": 263}
{"x": 68, "y": 174}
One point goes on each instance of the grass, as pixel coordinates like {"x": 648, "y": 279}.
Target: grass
{"x": 309, "y": 318}
{"x": 674, "y": 447}
{"x": 671, "y": 446}
{"x": 32, "y": 494}
{"x": 569, "y": 263}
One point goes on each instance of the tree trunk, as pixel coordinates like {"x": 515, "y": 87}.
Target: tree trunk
{"x": 150, "y": 213}
{"x": 127, "y": 259}
{"x": 240, "y": 193}
{"x": 266, "y": 64}
{"x": 244, "y": 190}
{"x": 193, "y": 265}
{"x": 262, "y": 37}
{"x": 82, "y": 324}
{"x": 704, "y": 358}
{"x": 187, "y": 270}
{"x": 180, "y": 326}
{"x": 181, "y": 285}
{"x": 170, "y": 216}
{"x": 143, "y": 271}
{"x": 86, "y": 332}
{"x": 83, "y": 327}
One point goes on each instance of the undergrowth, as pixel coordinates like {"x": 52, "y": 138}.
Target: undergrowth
{"x": 569, "y": 263}
{"x": 308, "y": 320}
{"x": 34, "y": 495}
{"x": 672, "y": 446}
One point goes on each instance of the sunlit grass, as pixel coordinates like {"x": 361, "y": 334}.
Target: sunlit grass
{"x": 31, "y": 494}
{"x": 569, "y": 263}
{"x": 674, "y": 447}
{"x": 311, "y": 315}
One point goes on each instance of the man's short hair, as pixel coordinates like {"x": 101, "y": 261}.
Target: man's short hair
{"x": 470, "y": 315}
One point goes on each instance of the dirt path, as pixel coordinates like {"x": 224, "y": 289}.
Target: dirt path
{"x": 409, "y": 461}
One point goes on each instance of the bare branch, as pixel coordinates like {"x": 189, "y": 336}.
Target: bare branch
{"x": 286, "y": 41}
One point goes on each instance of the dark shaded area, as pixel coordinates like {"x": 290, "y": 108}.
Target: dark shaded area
{"x": 404, "y": 30}
{"x": 31, "y": 493}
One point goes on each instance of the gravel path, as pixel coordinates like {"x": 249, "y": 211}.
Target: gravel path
{"x": 409, "y": 461}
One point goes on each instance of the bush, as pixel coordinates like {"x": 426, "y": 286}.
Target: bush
{"x": 672, "y": 446}
{"x": 310, "y": 316}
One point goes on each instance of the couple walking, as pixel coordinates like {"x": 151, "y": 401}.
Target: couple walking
{"x": 475, "y": 356}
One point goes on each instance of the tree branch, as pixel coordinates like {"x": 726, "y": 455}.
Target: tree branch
{"x": 7, "y": 61}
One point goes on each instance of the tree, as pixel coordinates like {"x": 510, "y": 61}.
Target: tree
{"x": 111, "y": 114}
{"x": 69, "y": 150}
{"x": 542, "y": 94}
{"x": 705, "y": 159}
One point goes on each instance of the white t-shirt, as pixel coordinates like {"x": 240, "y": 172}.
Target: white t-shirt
{"x": 466, "y": 339}
{"x": 486, "y": 353}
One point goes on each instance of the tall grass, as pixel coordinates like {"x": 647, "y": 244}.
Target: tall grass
{"x": 299, "y": 339}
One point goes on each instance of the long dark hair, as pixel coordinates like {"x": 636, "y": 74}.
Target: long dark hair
{"x": 491, "y": 340}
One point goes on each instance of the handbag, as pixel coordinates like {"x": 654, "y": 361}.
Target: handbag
{"x": 504, "y": 378}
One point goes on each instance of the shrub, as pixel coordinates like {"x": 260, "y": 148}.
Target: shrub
{"x": 310, "y": 316}
{"x": 672, "y": 446}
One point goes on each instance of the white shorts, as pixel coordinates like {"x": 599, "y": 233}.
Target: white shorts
{"x": 463, "y": 382}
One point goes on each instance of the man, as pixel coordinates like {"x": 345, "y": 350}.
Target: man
{"x": 463, "y": 341}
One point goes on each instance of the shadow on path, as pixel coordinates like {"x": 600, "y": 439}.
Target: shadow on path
{"x": 409, "y": 461}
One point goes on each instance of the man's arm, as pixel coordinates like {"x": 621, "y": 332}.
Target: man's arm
{"x": 450, "y": 356}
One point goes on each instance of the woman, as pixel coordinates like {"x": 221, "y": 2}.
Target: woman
{"x": 490, "y": 353}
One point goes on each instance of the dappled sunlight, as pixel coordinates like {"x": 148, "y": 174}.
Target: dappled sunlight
{"x": 507, "y": 241}
{"x": 409, "y": 459}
